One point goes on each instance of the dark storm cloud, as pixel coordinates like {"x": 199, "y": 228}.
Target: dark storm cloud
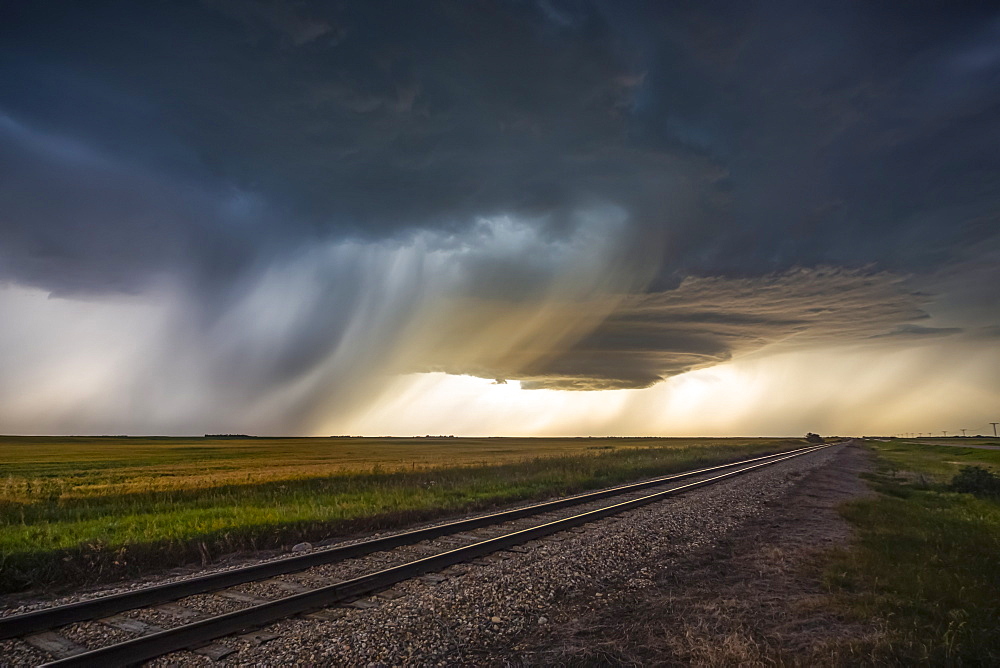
{"x": 707, "y": 321}
{"x": 755, "y": 136}
{"x": 911, "y": 331}
{"x": 75, "y": 221}
{"x": 988, "y": 332}
{"x": 213, "y": 145}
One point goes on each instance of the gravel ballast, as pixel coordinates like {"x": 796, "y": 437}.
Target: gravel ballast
{"x": 481, "y": 610}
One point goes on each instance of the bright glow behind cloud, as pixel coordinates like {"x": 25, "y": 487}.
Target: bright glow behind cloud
{"x": 868, "y": 389}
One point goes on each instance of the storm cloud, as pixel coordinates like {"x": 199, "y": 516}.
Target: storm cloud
{"x": 707, "y": 321}
{"x": 284, "y": 205}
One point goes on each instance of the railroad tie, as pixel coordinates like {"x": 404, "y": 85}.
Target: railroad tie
{"x": 55, "y": 644}
{"x": 135, "y": 626}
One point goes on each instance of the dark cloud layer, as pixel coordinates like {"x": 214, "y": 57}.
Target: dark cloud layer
{"x": 211, "y": 145}
{"x": 706, "y": 321}
{"x": 911, "y": 331}
{"x": 756, "y": 137}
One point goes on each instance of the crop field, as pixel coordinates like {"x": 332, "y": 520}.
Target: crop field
{"x": 954, "y": 440}
{"x": 936, "y": 464}
{"x": 81, "y": 509}
{"x": 925, "y": 558}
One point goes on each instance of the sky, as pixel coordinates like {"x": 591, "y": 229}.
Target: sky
{"x": 506, "y": 217}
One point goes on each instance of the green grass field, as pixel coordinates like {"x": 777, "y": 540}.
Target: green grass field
{"x": 927, "y": 559}
{"x": 933, "y": 462}
{"x": 76, "y": 510}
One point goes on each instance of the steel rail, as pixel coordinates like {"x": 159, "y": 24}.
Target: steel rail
{"x": 50, "y": 618}
{"x": 196, "y": 633}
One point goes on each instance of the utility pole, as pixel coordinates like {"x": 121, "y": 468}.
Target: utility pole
{"x": 994, "y": 428}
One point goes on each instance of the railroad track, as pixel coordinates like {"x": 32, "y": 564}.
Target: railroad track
{"x": 304, "y": 584}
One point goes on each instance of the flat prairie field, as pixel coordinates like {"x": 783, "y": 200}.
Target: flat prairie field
{"x": 85, "y": 509}
{"x": 924, "y": 557}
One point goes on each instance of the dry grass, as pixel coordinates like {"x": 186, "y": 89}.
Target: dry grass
{"x": 750, "y": 615}
{"x": 80, "y": 467}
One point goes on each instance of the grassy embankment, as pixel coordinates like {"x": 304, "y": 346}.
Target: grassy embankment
{"x": 76, "y": 510}
{"x": 927, "y": 559}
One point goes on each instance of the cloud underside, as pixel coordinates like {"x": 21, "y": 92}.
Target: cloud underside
{"x": 706, "y": 321}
